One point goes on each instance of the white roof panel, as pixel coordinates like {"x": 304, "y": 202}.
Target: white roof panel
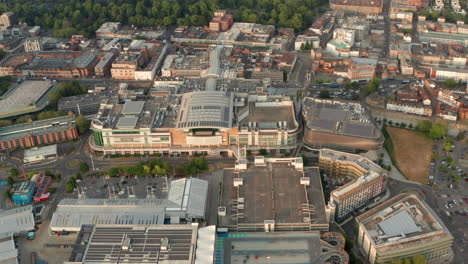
{"x": 400, "y": 223}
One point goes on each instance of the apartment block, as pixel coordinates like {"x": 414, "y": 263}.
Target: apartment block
{"x": 368, "y": 180}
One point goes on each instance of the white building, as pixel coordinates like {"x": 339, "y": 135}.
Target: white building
{"x": 410, "y": 108}
{"x": 32, "y": 45}
{"x": 347, "y": 35}
{"x": 303, "y": 39}
{"x": 339, "y": 48}
{"x": 443, "y": 73}
{"x": 37, "y": 154}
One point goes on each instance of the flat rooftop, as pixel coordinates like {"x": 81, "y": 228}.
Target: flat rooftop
{"x": 273, "y": 192}
{"x": 24, "y": 96}
{"x": 168, "y": 244}
{"x": 401, "y": 219}
{"x": 336, "y": 117}
{"x": 282, "y": 247}
{"x": 261, "y": 113}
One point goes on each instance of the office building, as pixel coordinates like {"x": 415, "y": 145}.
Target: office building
{"x": 365, "y": 181}
{"x": 38, "y": 154}
{"x": 401, "y": 228}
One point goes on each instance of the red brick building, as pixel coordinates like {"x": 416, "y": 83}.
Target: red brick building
{"x": 43, "y": 132}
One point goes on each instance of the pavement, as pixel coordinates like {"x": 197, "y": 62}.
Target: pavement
{"x": 394, "y": 173}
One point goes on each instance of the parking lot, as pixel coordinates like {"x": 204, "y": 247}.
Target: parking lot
{"x": 445, "y": 166}
{"x": 122, "y": 187}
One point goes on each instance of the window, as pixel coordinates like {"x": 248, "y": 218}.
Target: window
{"x": 125, "y": 132}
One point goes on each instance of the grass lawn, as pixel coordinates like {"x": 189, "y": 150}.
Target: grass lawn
{"x": 413, "y": 153}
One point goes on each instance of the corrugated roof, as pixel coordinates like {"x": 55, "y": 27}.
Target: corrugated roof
{"x": 17, "y": 220}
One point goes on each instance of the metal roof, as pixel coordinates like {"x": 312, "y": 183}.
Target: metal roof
{"x": 46, "y": 150}
{"x": 206, "y": 245}
{"x": 133, "y": 107}
{"x": 189, "y": 195}
{"x": 400, "y": 223}
{"x": 8, "y": 251}
{"x": 127, "y": 122}
{"x": 17, "y": 220}
{"x": 170, "y": 244}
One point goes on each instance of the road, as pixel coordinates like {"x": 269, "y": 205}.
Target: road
{"x": 386, "y": 15}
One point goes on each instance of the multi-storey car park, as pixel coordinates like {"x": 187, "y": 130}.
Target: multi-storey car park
{"x": 403, "y": 227}
{"x": 339, "y": 125}
{"x": 210, "y": 122}
{"x": 367, "y": 181}
{"x": 274, "y": 194}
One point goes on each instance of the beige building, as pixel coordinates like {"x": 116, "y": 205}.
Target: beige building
{"x": 367, "y": 180}
{"x": 401, "y": 228}
{"x": 33, "y": 45}
{"x": 8, "y": 19}
{"x": 124, "y": 67}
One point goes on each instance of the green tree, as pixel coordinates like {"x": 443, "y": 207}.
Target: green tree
{"x": 424, "y": 126}
{"x": 14, "y": 172}
{"x": 82, "y": 124}
{"x": 450, "y": 82}
{"x": 114, "y": 172}
{"x": 437, "y": 131}
{"x": 5, "y": 123}
{"x": 324, "y": 94}
{"x": 69, "y": 187}
{"x": 8, "y": 194}
{"x": 84, "y": 167}
{"x": 263, "y": 152}
{"x": 2, "y": 54}
{"x": 23, "y": 119}
{"x": 11, "y": 181}
{"x": 319, "y": 81}
{"x": 419, "y": 259}
{"x": 372, "y": 86}
{"x": 302, "y": 46}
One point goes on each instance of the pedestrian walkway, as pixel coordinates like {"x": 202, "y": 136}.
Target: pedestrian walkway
{"x": 394, "y": 173}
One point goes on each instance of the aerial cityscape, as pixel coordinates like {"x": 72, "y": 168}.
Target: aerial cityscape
{"x": 233, "y": 132}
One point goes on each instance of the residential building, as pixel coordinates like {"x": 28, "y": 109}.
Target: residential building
{"x": 368, "y": 180}
{"x": 359, "y": 6}
{"x": 103, "y": 67}
{"x": 361, "y": 69}
{"x": 449, "y": 98}
{"x": 8, "y": 19}
{"x": 444, "y": 73}
{"x": 415, "y": 108}
{"x": 221, "y": 21}
{"x": 401, "y": 228}
{"x": 22, "y": 193}
{"x": 41, "y": 132}
{"x": 8, "y": 250}
{"x": 124, "y": 67}
{"x": 107, "y": 29}
{"x": 33, "y": 45}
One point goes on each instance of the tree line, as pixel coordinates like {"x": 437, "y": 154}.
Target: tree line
{"x": 68, "y": 17}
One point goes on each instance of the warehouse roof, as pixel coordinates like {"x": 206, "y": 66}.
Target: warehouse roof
{"x": 16, "y": 220}
{"x": 186, "y": 199}
{"x": 8, "y": 251}
{"x": 169, "y": 244}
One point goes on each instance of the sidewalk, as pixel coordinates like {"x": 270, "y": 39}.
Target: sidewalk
{"x": 394, "y": 173}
